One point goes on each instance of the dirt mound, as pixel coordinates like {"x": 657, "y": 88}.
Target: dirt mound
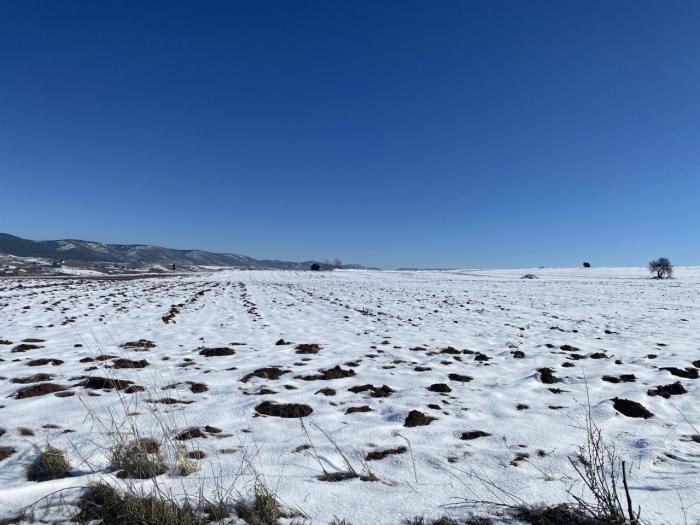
{"x": 688, "y": 373}
{"x": 326, "y": 375}
{"x": 666, "y": 391}
{"x": 624, "y": 378}
{"x": 216, "y": 352}
{"x": 128, "y": 363}
{"x": 441, "y": 388}
{"x": 270, "y": 408}
{"x": 39, "y": 390}
{"x": 631, "y": 408}
{"x": 547, "y": 376}
{"x": 416, "y": 418}
{"x": 326, "y": 391}
{"x": 307, "y": 348}
{"x": 271, "y": 372}
{"x": 36, "y": 378}
{"x": 375, "y": 391}
{"x": 459, "y": 377}
{"x": 23, "y": 347}
{"x": 474, "y": 434}
{"x": 352, "y": 410}
{"x": 569, "y": 348}
{"x": 198, "y": 388}
{"x": 190, "y": 433}
{"x": 105, "y": 383}
{"x": 381, "y": 454}
{"x": 142, "y": 344}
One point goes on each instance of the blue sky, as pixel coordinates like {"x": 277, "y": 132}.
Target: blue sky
{"x": 432, "y": 134}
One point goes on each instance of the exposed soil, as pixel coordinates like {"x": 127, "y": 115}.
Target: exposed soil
{"x": 217, "y": 352}
{"x": 381, "y": 454}
{"x": 631, "y": 408}
{"x": 287, "y": 410}
{"x": 415, "y": 418}
{"x": 666, "y": 391}
{"x": 39, "y": 390}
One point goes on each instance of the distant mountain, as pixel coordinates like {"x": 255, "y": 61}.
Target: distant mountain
{"x": 140, "y": 254}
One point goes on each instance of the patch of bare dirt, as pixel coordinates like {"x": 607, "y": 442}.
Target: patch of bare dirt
{"x": 416, "y": 418}
{"x": 376, "y": 455}
{"x": 39, "y": 390}
{"x": 286, "y": 410}
{"x": 307, "y": 348}
{"x": 271, "y": 372}
{"x": 666, "y": 391}
{"x": 631, "y": 408}
{"x": 217, "y": 352}
{"x": 375, "y": 391}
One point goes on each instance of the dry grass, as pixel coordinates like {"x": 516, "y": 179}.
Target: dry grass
{"x": 338, "y": 521}
{"x": 556, "y": 515}
{"x": 51, "y": 463}
{"x": 102, "y": 502}
{"x": 137, "y": 459}
{"x": 264, "y": 509}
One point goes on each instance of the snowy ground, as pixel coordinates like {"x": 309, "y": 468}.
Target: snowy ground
{"x": 384, "y": 328}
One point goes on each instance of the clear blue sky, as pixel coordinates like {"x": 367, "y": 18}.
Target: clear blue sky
{"x": 432, "y": 133}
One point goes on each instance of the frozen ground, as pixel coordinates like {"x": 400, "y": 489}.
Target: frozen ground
{"x": 405, "y": 330}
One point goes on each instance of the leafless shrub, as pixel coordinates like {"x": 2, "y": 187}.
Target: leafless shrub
{"x": 600, "y": 469}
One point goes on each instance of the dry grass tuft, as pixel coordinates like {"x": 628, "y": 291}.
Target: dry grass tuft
{"x": 264, "y": 509}
{"x": 52, "y": 463}
{"x": 138, "y": 459}
{"x": 103, "y": 503}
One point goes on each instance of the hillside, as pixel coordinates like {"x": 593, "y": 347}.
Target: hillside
{"x": 139, "y": 255}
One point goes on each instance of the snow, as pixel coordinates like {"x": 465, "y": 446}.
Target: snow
{"x": 72, "y": 270}
{"x": 374, "y": 319}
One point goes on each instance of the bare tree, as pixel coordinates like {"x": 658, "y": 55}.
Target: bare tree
{"x": 662, "y": 267}
{"x": 337, "y": 263}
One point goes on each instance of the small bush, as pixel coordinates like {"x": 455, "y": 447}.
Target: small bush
{"x": 586, "y": 265}
{"x": 138, "y": 459}
{"x": 662, "y": 267}
{"x": 103, "y": 503}
{"x": 52, "y": 463}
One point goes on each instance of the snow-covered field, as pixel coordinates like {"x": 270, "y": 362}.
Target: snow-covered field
{"x": 406, "y": 330}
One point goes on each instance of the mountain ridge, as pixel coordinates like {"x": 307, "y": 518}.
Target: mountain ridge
{"x": 142, "y": 254}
